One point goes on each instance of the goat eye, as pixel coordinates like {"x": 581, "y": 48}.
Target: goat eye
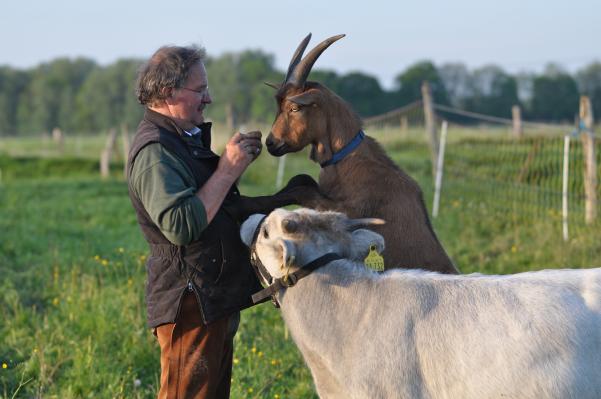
{"x": 295, "y": 109}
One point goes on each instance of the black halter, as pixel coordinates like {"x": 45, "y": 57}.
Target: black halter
{"x": 289, "y": 280}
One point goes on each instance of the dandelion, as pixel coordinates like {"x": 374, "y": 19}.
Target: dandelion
{"x": 276, "y": 396}
{"x": 260, "y": 354}
{"x": 250, "y": 390}
{"x": 121, "y": 250}
{"x": 104, "y": 262}
{"x": 253, "y": 349}
{"x": 97, "y": 258}
{"x": 514, "y": 249}
{"x": 236, "y": 361}
{"x": 35, "y": 350}
{"x": 55, "y": 301}
{"x": 274, "y": 362}
{"x": 4, "y": 365}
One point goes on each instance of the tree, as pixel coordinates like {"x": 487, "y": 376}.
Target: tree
{"x": 493, "y": 92}
{"x": 589, "y": 83}
{"x": 457, "y": 82}
{"x": 409, "y": 83}
{"x": 13, "y": 84}
{"x": 554, "y": 96}
{"x": 49, "y": 99}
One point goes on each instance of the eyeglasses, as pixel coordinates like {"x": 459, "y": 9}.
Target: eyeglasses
{"x": 202, "y": 92}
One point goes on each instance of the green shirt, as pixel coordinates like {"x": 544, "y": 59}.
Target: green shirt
{"x": 167, "y": 189}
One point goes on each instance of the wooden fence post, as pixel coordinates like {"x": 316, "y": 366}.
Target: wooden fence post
{"x": 430, "y": 120}
{"x": 590, "y": 161}
{"x": 125, "y": 140}
{"x": 59, "y": 138}
{"x": 516, "y": 116}
{"x": 105, "y": 156}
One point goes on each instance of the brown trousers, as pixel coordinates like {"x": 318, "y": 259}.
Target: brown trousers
{"x": 196, "y": 359}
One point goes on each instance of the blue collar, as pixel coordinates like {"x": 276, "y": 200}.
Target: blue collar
{"x": 347, "y": 149}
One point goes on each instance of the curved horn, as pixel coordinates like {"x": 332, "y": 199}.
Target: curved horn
{"x": 298, "y": 54}
{"x": 299, "y": 76}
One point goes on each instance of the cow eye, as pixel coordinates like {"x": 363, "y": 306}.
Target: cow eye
{"x": 265, "y": 233}
{"x": 294, "y": 109}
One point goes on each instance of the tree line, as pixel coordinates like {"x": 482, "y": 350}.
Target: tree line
{"x": 81, "y": 96}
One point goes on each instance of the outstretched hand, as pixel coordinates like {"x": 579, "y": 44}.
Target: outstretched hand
{"x": 239, "y": 152}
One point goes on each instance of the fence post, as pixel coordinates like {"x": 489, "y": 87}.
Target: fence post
{"x": 59, "y": 138}
{"x": 105, "y": 156}
{"x": 564, "y": 192}
{"x": 590, "y": 161}
{"x": 125, "y": 139}
{"x": 516, "y": 116}
{"x": 430, "y": 120}
{"x": 280, "y": 176}
{"x": 439, "y": 166}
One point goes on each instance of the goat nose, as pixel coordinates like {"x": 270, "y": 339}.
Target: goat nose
{"x": 269, "y": 140}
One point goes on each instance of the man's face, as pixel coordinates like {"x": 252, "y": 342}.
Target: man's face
{"x": 188, "y": 102}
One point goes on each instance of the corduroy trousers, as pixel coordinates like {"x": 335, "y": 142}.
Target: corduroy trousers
{"x": 196, "y": 359}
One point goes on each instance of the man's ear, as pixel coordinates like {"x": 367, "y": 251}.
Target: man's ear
{"x": 288, "y": 253}
{"x": 167, "y": 93}
{"x": 362, "y": 240}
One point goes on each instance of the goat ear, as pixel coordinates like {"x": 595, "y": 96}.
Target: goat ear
{"x": 273, "y": 85}
{"x": 305, "y": 98}
{"x": 362, "y": 240}
{"x": 288, "y": 252}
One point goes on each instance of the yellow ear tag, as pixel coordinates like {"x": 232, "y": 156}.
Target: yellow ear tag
{"x": 374, "y": 260}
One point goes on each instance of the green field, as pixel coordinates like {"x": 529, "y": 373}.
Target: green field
{"x": 72, "y": 261}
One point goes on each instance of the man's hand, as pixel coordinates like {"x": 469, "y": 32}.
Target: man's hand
{"x": 239, "y": 152}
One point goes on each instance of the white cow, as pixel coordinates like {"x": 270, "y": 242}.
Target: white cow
{"x": 416, "y": 334}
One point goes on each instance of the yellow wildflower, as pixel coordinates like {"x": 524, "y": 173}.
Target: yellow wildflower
{"x": 274, "y": 362}
{"x": 514, "y": 249}
{"x": 121, "y": 250}
{"x": 4, "y": 365}
{"x": 236, "y": 361}
{"x": 260, "y": 354}
{"x": 253, "y": 349}
{"x": 104, "y": 262}
{"x": 55, "y": 301}
{"x": 276, "y": 396}
{"x": 250, "y": 390}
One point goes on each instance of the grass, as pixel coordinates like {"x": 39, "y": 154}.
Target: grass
{"x": 72, "y": 260}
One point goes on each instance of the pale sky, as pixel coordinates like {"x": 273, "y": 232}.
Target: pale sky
{"x": 383, "y": 37}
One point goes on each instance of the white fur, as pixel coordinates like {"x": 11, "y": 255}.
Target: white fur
{"x": 416, "y": 334}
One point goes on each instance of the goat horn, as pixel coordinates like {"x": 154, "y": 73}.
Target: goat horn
{"x": 353, "y": 224}
{"x": 272, "y": 85}
{"x": 296, "y": 58}
{"x": 299, "y": 76}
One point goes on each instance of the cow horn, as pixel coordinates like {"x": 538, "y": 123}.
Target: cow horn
{"x": 300, "y": 73}
{"x": 353, "y": 224}
{"x": 296, "y": 58}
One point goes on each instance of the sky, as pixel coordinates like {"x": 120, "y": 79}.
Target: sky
{"x": 383, "y": 36}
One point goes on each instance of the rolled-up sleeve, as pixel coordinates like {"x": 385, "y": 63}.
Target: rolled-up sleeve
{"x": 167, "y": 190}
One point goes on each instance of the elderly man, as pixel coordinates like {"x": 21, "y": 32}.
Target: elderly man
{"x": 189, "y": 211}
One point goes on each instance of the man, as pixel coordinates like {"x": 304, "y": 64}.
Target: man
{"x": 189, "y": 210}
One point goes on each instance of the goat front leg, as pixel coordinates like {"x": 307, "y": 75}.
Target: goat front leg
{"x": 291, "y": 194}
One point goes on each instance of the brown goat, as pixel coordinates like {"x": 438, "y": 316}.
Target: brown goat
{"x": 365, "y": 182}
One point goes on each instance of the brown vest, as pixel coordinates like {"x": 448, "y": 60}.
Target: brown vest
{"x": 216, "y": 266}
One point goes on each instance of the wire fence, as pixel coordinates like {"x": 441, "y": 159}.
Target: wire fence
{"x": 519, "y": 180}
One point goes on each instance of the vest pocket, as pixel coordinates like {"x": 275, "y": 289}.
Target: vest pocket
{"x": 207, "y": 262}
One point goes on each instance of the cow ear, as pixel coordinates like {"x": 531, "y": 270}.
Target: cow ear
{"x": 362, "y": 241}
{"x": 248, "y": 228}
{"x": 288, "y": 253}
{"x": 308, "y": 97}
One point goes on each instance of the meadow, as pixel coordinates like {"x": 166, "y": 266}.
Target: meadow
{"x": 72, "y": 312}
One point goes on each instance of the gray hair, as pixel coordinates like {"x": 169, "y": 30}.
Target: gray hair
{"x": 168, "y": 67}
